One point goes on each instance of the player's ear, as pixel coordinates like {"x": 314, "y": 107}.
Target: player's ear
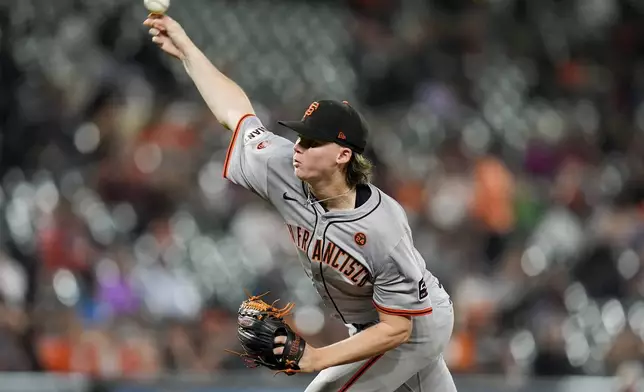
{"x": 344, "y": 156}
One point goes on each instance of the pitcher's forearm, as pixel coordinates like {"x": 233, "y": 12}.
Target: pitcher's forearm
{"x": 371, "y": 342}
{"x": 227, "y": 101}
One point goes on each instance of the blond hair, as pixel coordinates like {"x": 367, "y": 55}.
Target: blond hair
{"x": 358, "y": 170}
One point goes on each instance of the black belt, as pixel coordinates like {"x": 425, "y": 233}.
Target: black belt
{"x": 362, "y": 327}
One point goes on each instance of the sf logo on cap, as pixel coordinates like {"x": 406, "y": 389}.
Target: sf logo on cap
{"x": 314, "y": 106}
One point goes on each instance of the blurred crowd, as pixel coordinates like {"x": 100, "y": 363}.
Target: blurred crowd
{"x": 512, "y": 132}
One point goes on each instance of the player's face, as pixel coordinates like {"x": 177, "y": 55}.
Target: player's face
{"x": 313, "y": 159}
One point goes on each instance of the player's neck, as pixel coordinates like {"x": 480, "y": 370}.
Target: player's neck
{"x": 334, "y": 195}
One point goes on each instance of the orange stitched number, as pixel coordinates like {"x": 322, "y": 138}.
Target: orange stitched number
{"x": 314, "y": 106}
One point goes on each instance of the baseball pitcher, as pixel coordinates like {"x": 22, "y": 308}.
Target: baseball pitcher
{"x": 353, "y": 241}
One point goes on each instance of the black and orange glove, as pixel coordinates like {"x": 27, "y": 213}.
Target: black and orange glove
{"x": 259, "y": 323}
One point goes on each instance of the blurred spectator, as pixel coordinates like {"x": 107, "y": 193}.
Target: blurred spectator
{"x": 510, "y": 131}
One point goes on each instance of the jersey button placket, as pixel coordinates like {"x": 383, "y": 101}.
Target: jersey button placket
{"x": 319, "y": 232}
{"x": 319, "y": 229}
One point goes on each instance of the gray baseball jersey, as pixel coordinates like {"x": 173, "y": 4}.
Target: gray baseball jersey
{"x": 359, "y": 261}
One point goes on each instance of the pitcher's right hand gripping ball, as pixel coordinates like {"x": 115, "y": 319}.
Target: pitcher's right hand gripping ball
{"x": 168, "y": 35}
{"x": 259, "y": 323}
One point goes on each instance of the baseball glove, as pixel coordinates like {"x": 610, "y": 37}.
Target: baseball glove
{"x": 259, "y": 323}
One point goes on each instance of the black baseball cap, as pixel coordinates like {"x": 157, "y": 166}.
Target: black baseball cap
{"x": 332, "y": 121}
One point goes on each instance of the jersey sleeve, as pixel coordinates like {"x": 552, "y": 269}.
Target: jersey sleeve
{"x": 251, "y": 149}
{"x": 399, "y": 284}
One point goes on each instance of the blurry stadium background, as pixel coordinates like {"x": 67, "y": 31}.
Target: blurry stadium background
{"x": 512, "y": 131}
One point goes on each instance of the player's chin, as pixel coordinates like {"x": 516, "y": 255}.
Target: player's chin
{"x": 302, "y": 175}
{"x": 299, "y": 173}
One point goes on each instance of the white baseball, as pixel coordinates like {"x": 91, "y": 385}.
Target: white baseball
{"x": 157, "y": 6}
